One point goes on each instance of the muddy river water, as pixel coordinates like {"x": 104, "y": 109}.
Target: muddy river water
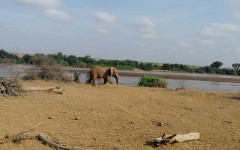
{"x": 176, "y": 83}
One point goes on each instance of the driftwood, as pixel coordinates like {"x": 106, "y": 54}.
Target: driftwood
{"x": 54, "y": 89}
{"x": 23, "y": 135}
{"x": 175, "y": 138}
{"x": 42, "y": 138}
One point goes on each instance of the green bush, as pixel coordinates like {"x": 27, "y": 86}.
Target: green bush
{"x": 152, "y": 81}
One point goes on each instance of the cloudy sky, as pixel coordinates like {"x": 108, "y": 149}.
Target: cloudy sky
{"x": 196, "y": 32}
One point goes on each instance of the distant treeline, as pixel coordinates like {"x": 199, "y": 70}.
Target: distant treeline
{"x": 6, "y": 57}
{"x": 88, "y": 62}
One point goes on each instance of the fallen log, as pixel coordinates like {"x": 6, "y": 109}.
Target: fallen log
{"x": 41, "y": 88}
{"x": 54, "y": 89}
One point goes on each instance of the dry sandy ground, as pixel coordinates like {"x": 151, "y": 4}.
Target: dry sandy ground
{"x": 109, "y": 117}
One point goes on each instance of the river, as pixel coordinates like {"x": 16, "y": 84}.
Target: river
{"x": 14, "y": 70}
{"x": 176, "y": 83}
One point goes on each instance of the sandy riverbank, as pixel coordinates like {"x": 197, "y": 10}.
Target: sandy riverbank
{"x": 109, "y": 116}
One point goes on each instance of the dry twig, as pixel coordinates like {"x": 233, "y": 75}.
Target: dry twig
{"x": 23, "y": 135}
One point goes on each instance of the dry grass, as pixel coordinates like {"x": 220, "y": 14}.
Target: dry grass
{"x": 108, "y": 116}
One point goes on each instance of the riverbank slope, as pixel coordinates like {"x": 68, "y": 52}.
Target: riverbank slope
{"x": 108, "y": 116}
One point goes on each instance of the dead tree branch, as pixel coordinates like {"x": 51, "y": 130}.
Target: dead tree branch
{"x": 42, "y": 138}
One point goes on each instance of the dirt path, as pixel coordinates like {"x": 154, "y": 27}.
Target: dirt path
{"x": 109, "y": 116}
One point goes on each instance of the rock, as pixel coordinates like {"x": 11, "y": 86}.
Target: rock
{"x": 76, "y": 118}
{"x": 50, "y": 117}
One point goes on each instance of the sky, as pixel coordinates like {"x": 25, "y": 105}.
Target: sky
{"x": 193, "y": 32}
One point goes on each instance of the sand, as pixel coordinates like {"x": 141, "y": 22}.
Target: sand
{"x": 108, "y": 117}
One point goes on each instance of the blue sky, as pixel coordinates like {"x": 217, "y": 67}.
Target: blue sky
{"x": 196, "y": 32}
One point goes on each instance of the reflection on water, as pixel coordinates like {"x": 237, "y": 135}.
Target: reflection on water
{"x": 12, "y": 70}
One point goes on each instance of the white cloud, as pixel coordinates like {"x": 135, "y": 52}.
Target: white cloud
{"x": 207, "y": 42}
{"x": 191, "y": 52}
{"x": 234, "y": 8}
{"x": 106, "y": 17}
{"x": 6, "y": 25}
{"x": 147, "y": 22}
{"x": 184, "y": 45}
{"x": 145, "y": 28}
{"x": 51, "y": 11}
{"x": 42, "y": 3}
{"x": 102, "y": 31}
{"x": 58, "y": 15}
{"x": 236, "y": 13}
{"x": 219, "y": 30}
{"x": 237, "y": 50}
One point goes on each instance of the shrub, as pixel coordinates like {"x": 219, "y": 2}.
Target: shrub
{"x": 209, "y": 70}
{"x": 200, "y": 70}
{"x": 52, "y": 72}
{"x": 152, "y": 81}
{"x": 31, "y": 74}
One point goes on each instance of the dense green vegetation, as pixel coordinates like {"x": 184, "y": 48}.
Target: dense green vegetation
{"x": 152, "y": 81}
{"x": 88, "y": 62}
{"x": 6, "y": 57}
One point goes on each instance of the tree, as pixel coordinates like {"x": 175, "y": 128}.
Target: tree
{"x": 6, "y": 57}
{"x": 146, "y": 66}
{"x": 90, "y": 61}
{"x": 236, "y": 67}
{"x": 209, "y": 69}
{"x": 28, "y": 59}
{"x": 166, "y": 66}
{"x": 59, "y": 58}
{"x": 41, "y": 60}
{"x": 72, "y": 61}
{"x": 200, "y": 70}
{"x": 217, "y": 64}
